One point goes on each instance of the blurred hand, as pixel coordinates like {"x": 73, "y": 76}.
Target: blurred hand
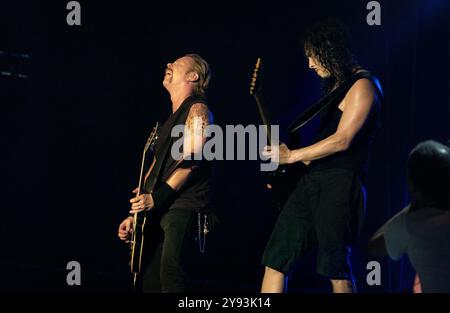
{"x": 126, "y": 229}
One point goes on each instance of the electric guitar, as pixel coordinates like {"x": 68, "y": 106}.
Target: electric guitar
{"x": 139, "y": 219}
{"x": 283, "y": 179}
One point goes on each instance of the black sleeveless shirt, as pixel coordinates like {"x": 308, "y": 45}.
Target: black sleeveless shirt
{"x": 356, "y": 157}
{"x": 195, "y": 192}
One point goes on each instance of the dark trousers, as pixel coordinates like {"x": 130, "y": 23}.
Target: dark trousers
{"x": 171, "y": 252}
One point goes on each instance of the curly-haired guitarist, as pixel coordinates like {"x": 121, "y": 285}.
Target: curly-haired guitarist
{"x": 326, "y": 208}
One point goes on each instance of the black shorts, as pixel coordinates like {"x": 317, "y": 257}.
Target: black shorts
{"x": 326, "y": 211}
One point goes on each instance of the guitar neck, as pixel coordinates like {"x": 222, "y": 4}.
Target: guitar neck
{"x": 149, "y": 146}
{"x": 141, "y": 175}
{"x": 262, "y": 109}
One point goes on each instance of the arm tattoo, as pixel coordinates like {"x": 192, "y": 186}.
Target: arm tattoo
{"x": 198, "y": 118}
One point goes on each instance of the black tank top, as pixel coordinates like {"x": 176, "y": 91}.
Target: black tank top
{"x": 195, "y": 193}
{"x": 356, "y": 157}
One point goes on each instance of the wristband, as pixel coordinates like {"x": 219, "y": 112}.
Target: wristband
{"x": 163, "y": 195}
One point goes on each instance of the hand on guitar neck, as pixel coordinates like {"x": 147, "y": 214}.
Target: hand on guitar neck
{"x": 142, "y": 202}
{"x": 282, "y": 154}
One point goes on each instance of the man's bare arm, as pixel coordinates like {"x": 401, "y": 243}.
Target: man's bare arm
{"x": 358, "y": 103}
{"x": 194, "y": 139}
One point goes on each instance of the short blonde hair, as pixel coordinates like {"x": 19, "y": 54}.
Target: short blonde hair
{"x": 202, "y": 68}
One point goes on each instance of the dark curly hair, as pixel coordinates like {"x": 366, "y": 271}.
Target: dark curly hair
{"x": 329, "y": 42}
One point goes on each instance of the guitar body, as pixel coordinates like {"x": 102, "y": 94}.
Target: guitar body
{"x": 140, "y": 218}
{"x": 137, "y": 242}
{"x": 283, "y": 182}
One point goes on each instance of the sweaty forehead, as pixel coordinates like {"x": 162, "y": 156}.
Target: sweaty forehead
{"x": 183, "y": 61}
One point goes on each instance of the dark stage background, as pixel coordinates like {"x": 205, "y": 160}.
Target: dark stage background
{"x": 73, "y": 129}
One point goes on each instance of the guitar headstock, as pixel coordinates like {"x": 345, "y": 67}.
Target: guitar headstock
{"x": 255, "y": 85}
{"x": 151, "y": 141}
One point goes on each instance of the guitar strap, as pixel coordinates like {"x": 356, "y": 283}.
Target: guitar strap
{"x": 163, "y": 151}
{"x": 332, "y": 98}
